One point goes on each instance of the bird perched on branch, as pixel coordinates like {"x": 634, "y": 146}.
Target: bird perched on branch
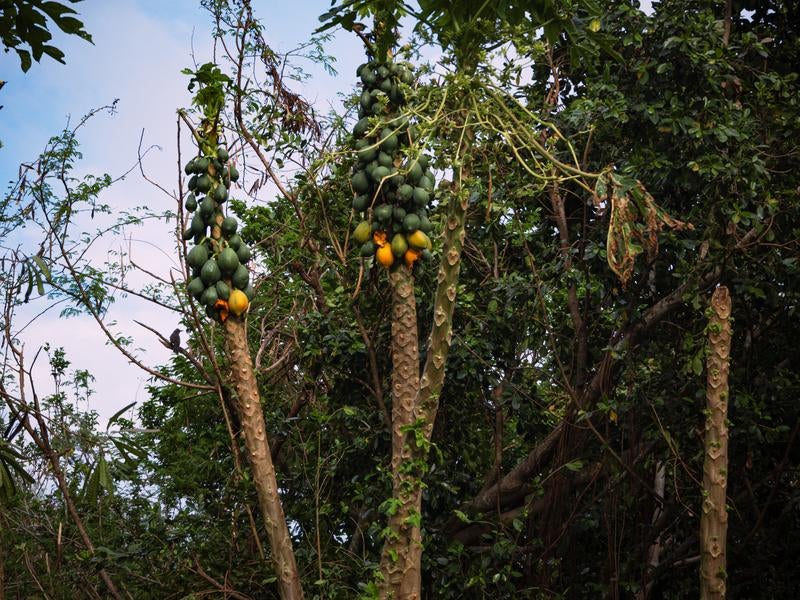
{"x": 174, "y": 341}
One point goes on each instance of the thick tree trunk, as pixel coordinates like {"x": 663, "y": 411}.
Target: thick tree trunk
{"x": 714, "y": 513}
{"x": 401, "y": 573}
{"x": 255, "y": 436}
{"x": 401, "y": 558}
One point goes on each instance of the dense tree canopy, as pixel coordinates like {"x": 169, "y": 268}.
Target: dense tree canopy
{"x": 609, "y": 169}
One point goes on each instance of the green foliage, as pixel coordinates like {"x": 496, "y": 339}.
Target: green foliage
{"x": 24, "y": 28}
{"x": 709, "y": 130}
{"x": 212, "y": 86}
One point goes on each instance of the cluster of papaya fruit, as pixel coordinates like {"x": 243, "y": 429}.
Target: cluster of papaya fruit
{"x": 220, "y": 279}
{"x": 393, "y": 183}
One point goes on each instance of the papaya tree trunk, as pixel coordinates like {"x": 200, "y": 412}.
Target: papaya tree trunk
{"x": 255, "y": 437}
{"x": 714, "y": 513}
{"x": 401, "y": 576}
{"x": 401, "y": 558}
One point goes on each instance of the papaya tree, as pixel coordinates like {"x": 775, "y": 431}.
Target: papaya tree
{"x": 467, "y": 110}
{"x": 220, "y": 282}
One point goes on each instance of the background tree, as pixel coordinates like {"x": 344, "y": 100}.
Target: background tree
{"x": 566, "y": 453}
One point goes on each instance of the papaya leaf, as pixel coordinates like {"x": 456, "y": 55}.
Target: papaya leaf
{"x": 634, "y": 223}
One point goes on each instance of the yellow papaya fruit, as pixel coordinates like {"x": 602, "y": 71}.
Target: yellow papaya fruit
{"x": 412, "y": 256}
{"x": 238, "y": 302}
{"x": 419, "y": 240}
{"x": 385, "y": 255}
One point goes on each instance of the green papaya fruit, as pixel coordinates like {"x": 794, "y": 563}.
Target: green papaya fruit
{"x": 361, "y": 127}
{"x": 220, "y": 193}
{"x": 406, "y": 76}
{"x": 210, "y": 273}
{"x": 198, "y": 226}
{"x": 196, "y": 287}
{"x": 222, "y": 154}
{"x": 411, "y": 222}
{"x": 405, "y": 192}
{"x": 367, "y": 249}
{"x": 203, "y": 184}
{"x": 206, "y": 207}
{"x": 241, "y": 277}
{"x": 415, "y": 172}
{"x": 362, "y": 232}
{"x": 388, "y": 141}
{"x": 197, "y": 256}
{"x": 367, "y": 154}
{"x": 228, "y": 261}
{"x": 360, "y": 203}
{"x": 192, "y": 184}
{"x": 379, "y": 172}
{"x": 223, "y": 290}
{"x": 383, "y": 213}
{"x": 395, "y": 95}
{"x": 191, "y": 203}
{"x": 234, "y": 174}
{"x": 367, "y": 75}
{"x": 234, "y": 241}
{"x": 385, "y": 160}
{"x": 360, "y": 182}
{"x": 425, "y": 225}
{"x": 399, "y": 245}
{"x": 229, "y": 226}
{"x": 243, "y": 253}
{"x": 210, "y": 296}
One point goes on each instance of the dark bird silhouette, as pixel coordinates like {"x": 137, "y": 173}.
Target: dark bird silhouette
{"x": 175, "y": 340}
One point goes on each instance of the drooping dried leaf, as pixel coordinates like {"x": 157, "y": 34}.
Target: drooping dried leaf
{"x": 634, "y": 223}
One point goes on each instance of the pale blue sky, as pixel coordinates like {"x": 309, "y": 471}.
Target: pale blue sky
{"x": 140, "y": 48}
